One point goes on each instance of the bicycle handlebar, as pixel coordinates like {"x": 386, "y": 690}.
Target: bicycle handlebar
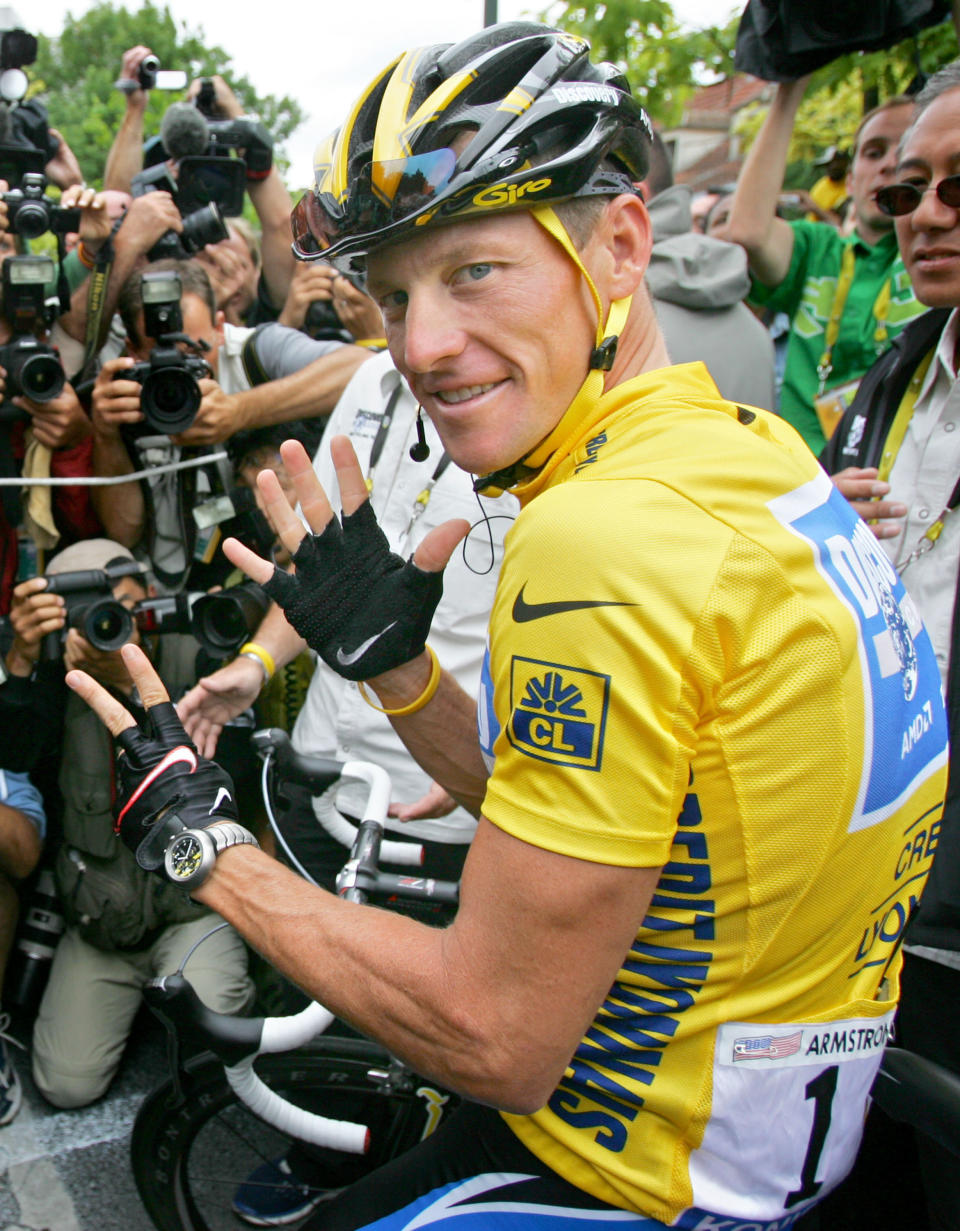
{"x": 318, "y": 775}
{"x": 238, "y": 1041}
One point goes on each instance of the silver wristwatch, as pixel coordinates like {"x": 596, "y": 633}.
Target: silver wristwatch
{"x": 190, "y": 856}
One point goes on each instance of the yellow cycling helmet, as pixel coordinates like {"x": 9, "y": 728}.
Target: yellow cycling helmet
{"x": 547, "y": 126}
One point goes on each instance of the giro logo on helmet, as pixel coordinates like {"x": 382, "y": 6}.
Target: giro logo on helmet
{"x": 509, "y": 194}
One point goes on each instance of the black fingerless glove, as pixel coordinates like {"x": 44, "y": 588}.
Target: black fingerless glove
{"x": 161, "y": 772}
{"x": 361, "y": 606}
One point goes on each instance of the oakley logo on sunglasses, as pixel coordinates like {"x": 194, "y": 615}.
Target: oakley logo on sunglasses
{"x": 899, "y": 199}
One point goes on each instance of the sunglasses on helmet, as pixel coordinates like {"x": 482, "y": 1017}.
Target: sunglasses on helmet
{"x": 397, "y": 187}
{"x": 898, "y": 199}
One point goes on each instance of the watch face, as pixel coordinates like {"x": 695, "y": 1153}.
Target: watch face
{"x": 184, "y": 857}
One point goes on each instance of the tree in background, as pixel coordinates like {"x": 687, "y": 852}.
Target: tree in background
{"x": 843, "y": 91}
{"x": 664, "y": 62}
{"x": 74, "y": 75}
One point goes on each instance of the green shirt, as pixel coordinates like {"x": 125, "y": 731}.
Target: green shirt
{"x": 806, "y": 294}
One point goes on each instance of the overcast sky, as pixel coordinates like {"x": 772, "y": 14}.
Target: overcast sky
{"x": 323, "y": 55}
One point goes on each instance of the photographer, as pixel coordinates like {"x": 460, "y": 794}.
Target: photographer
{"x": 273, "y": 205}
{"x": 120, "y": 930}
{"x": 272, "y": 375}
{"x": 126, "y": 157}
{"x": 317, "y": 290}
{"x": 45, "y": 434}
{"x": 233, "y": 266}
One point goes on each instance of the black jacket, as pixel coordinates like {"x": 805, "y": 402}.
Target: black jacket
{"x": 858, "y": 441}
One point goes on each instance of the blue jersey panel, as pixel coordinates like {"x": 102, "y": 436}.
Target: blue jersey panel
{"x": 905, "y": 731}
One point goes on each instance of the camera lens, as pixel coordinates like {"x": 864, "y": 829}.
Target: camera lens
{"x": 107, "y": 625}
{"x": 223, "y": 621}
{"x": 170, "y": 400}
{"x": 31, "y": 220}
{"x": 41, "y": 378}
{"x": 203, "y": 226}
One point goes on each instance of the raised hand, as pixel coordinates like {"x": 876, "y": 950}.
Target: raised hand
{"x": 163, "y": 784}
{"x": 362, "y": 607}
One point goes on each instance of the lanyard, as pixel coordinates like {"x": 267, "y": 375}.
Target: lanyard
{"x": 423, "y": 499}
{"x": 891, "y": 447}
{"x": 381, "y": 437}
{"x": 901, "y": 421}
{"x": 881, "y": 310}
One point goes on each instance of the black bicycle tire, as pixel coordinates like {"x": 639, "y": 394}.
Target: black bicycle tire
{"x": 166, "y": 1129}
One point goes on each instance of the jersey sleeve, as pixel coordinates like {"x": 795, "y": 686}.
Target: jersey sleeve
{"x": 593, "y": 624}
{"x": 282, "y": 351}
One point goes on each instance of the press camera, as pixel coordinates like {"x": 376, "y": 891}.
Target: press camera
{"x": 33, "y": 368}
{"x": 170, "y": 393}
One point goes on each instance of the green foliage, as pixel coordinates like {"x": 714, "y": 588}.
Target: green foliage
{"x": 842, "y": 91}
{"x": 663, "y": 62}
{"x": 74, "y": 75}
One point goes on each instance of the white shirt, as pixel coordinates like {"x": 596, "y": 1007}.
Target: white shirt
{"x": 409, "y": 499}
{"x": 924, "y": 475}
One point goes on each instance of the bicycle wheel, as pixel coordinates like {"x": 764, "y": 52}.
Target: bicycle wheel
{"x": 190, "y": 1154}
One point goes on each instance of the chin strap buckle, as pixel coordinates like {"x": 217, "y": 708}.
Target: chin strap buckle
{"x": 602, "y": 356}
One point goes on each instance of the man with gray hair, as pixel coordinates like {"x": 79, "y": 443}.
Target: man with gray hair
{"x": 896, "y": 456}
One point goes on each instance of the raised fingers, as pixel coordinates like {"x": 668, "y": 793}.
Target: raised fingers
{"x": 255, "y": 567}
{"x": 353, "y": 486}
{"x": 114, "y": 716}
{"x": 312, "y": 498}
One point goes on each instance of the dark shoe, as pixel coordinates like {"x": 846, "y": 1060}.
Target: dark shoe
{"x": 272, "y": 1196}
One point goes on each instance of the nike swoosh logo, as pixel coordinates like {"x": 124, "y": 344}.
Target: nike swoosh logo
{"x": 524, "y": 611}
{"x": 222, "y": 794}
{"x": 347, "y": 660}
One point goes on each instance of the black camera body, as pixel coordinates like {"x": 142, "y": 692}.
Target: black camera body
{"x": 33, "y": 368}
{"x": 170, "y": 392}
{"x": 202, "y": 216}
{"x": 150, "y": 76}
{"x": 201, "y": 227}
{"x": 221, "y": 622}
{"x": 91, "y": 608}
{"x": 30, "y": 213}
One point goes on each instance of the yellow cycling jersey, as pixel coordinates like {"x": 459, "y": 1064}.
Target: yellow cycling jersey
{"x": 702, "y": 660}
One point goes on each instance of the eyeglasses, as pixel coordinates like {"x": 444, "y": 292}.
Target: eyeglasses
{"x": 898, "y": 199}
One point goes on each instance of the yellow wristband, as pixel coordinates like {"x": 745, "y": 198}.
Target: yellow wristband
{"x": 433, "y": 683}
{"x": 85, "y": 256}
{"x": 265, "y": 658}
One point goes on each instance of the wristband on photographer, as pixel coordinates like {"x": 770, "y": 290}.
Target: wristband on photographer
{"x": 418, "y": 703}
{"x": 263, "y": 656}
{"x": 86, "y": 258}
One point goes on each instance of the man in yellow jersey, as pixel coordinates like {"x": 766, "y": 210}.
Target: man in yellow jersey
{"x": 709, "y": 723}
{"x": 904, "y": 422}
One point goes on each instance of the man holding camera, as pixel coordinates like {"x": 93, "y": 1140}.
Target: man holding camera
{"x": 268, "y": 278}
{"x": 847, "y": 296}
{"x": 123, "y": 927}
{"x": 255, "y": 378}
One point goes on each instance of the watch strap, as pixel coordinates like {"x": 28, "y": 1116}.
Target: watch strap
{"x": 228, "y": 833}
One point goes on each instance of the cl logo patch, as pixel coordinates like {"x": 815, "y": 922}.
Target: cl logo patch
{"x": 558, "y": 713}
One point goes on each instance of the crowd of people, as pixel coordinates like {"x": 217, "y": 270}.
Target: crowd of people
{"x": 709, "y": 784}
